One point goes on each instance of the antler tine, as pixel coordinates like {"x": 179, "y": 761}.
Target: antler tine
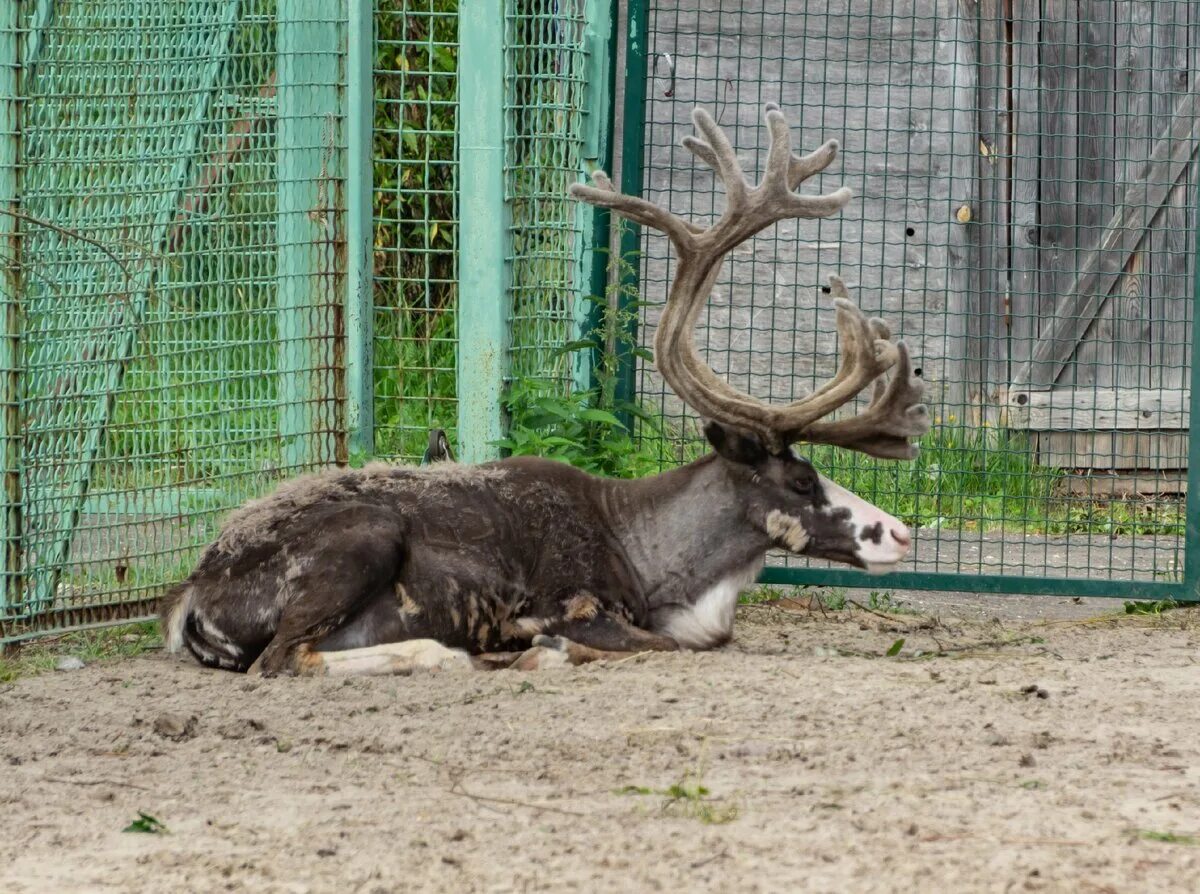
{"x": 718, "y": 153}
{"x": 605, "y": 195}
{"x": 885, "y": 429}
{"x": 866, "y": 354}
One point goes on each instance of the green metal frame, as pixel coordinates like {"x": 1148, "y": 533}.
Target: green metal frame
{"x": 360, "y": 283}
{"x": 597, "y": 153}
{"x": 483, "y": 230}
{"x": 69, "y": 501}
{"x": 1189, "y": 588}
{"x": 632, "y": 174}
{"x": 309, "y": 63}
{"x": 10, "y": 291}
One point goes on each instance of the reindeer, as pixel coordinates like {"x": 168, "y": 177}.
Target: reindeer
{"x": 527, "y": 562}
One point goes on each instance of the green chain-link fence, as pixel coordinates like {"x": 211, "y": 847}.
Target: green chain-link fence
{"x": 189, "y": 315}
{"x": 1025, "y": 180}
{"x": 171, "y": 281}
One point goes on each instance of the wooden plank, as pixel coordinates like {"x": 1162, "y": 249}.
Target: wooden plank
{"x": 1129, "y": 310}
{"x": 1059, "y": 165}
{"x": 953, "y": 146}
{"x": 1097, "y": 169}
{"x": 1169, "y": 240}
{"x": 1099, "y": 270}
{"x": 1025, "y": 279}
{"x": 987, "y": 305}
{"x": 1115, "y": 486}
{"x": 1098, "y": 409}
{"x": 1112, "y": 450}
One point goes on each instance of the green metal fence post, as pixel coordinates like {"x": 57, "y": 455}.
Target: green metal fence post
{"x": 484, "y": 236}
{"x": 632, "y": 170}
{"x": 360, "y": 112}
{"x": 10, "y": 292}
{"x": 596, "y": 153}
{"x": 1191, "y": 542}
{"x": 308, "y": 73}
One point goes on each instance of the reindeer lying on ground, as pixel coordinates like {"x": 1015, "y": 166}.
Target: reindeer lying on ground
{"x": 525, "y": 562}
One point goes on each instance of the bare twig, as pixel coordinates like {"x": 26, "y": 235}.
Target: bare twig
{"x": 720, "y": 855}
{"x": 871, "y": 611}
{"x": 456, "y": 788}
{"x": 71, "y": 234}
{"x": 115, "y": 782}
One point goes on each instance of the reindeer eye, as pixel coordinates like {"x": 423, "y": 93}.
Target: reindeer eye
{"x": 803, "y": 486}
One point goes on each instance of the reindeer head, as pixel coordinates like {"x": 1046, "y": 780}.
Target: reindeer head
{"x": 783, "y": 495}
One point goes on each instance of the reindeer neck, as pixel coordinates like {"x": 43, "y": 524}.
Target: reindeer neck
{"x": 684, "y": 530}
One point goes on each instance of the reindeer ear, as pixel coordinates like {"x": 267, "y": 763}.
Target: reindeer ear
{"x": 735, "y": 446}
{"x": 438, "y": 449}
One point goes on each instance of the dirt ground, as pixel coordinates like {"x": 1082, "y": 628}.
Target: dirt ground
{"x": 986, "y": 755}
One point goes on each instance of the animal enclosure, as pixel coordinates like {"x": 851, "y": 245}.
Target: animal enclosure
{"x": 1026, "y": 184}
{"x": 244, "y": 239}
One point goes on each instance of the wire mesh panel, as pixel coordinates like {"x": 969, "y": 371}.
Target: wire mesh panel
{"x": 178, "y": 272}
{"x": 1024, "y": 177}
{"x": 546, "y": 63}
{"x": 416, "y": 230}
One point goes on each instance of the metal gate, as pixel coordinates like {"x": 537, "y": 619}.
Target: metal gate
{"x": 1025, "y": 216}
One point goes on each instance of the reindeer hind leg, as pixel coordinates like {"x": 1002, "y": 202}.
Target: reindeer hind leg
{"x": 353, "y": 553}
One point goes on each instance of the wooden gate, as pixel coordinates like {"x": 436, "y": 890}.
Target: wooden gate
{"x": 1089, "y": 120}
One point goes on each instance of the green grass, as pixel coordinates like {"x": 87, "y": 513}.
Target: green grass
{"x": 689, "y": 798}
{"x": 124, "y": 641}
{"x": 983, "y": 479}
{"x": 1168, "y": 837}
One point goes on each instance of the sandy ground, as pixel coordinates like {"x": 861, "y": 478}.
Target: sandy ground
{"x": 986, "y": 756}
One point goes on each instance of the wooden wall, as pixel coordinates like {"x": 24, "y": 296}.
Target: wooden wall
{"x": 1024, "y": 175}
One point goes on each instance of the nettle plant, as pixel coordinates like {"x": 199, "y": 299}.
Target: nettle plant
{"x": 590, "y": 428}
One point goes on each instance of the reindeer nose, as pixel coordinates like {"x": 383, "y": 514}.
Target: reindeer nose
{"x": 901, "y": 536}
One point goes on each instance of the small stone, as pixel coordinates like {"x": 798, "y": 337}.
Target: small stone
{"x": 327, "y": 852}
{"x": 175, "y": 726}
{"x": 240, "y": 729}
{"x": 69, "y": 663}
{"x": 1027, "y": 760}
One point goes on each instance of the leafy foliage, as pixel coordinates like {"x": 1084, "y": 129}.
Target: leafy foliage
{"x": 416, "y": 233}
{"x": 146, "y": 824}
{"x": 592, "y": 428}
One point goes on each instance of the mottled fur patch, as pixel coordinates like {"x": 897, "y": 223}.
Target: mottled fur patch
{"x": 408, "y": 606}
{"x": 308, "y": 662}
{"x": 253, "y": 522}
{"x": 787, "y": 531}
{"x": 174, "y": 616}
{"x": 582, "y": 607}
{"x": 523, "y": 628}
